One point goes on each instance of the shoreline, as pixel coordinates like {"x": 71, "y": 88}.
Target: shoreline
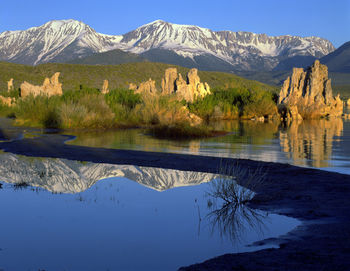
{"x": 319, "y": 199}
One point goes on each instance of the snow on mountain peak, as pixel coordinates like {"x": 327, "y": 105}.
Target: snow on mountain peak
{"x": 62, "y": 40}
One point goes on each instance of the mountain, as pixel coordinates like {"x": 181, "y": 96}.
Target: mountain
{"x": 338, "y": 60}
{"x": 112, "y": 57}
{"x": 55, "y": 41}
{"x": 65, "y": 40}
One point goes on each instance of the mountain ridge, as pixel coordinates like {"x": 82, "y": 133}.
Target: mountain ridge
{"x": 65, "y": 40}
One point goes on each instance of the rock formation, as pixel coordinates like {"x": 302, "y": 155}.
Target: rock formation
{"x": 105, "y": 89}
{"x": 308, "y": 94}
{"x": 50, "y": 87}
{"x": 168, "y": 82}
{"x": 148, "y": 87}
{"x": 173, "y": 83}
{"x": 8, "y": 101}
{"x": 10, "y": 85}
{"x": 189, "y": 90}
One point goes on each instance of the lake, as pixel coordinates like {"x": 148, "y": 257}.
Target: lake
{"x": 70, "y": 215}
{"x": 323, "y": 144}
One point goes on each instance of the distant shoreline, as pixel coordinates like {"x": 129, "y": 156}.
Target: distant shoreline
{"x": 320, "y": 199}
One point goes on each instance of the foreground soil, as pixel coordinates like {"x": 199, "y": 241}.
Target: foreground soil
{"x": 320, "y": 199}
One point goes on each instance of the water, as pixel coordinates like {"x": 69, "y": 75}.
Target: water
{"x": 69, "y": 215}
{"x": 323, "y": 144}
{"x": 84, "y": 216}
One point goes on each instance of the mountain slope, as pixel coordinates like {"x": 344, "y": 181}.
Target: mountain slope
{"x": 339, "y": 60}
{"x": 62, "y": 41}
{"x": 242, "y": 50}
{"x": 55, "y": 41}
{"x": 112, "y": 57}
{"x": 74, "y": 76}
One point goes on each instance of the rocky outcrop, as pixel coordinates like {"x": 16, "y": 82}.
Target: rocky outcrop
{"x": 173, "y": 83}
{"x": 308, "y": 94}
{"x": 10, "y": 85}
{"x": 168, "y": 82}
{"x": 50, "y": 87}
{"x": 8, "y": 101}
{"x": 105, "y": 88}
{"x": 148, "y": 87}
{"x": 189, "y": 90}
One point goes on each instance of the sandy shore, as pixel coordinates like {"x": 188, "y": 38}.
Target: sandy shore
{"x": 320, "y": 199}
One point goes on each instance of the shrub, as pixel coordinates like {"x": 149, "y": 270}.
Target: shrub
{"x": 125, "y": 97}
{"x": 160, "y": 110}
{"x": 91, "y": 111}
{"x": 36, "y": 111}
{"x": 234, "y": 103}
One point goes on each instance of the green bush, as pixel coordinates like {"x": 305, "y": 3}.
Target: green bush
{"x": 35, "y": 111}
{"x": 90, "y": 111}
{"x": 125, "y": 97}
{"x": 234, "y": 103}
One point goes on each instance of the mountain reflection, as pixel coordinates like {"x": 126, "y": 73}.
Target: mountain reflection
{"x": 67, "y": 176}
{"x": 309, "y": 143}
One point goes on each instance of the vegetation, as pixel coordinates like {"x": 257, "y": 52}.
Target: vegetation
{"x": 75, "y": 77}
{"x": 234, "y": 103}
{"x": 82, "y": 105}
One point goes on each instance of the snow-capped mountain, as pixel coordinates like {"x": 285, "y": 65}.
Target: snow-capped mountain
{"x": 60, "y": 41}
{"x": 54, "y": 41}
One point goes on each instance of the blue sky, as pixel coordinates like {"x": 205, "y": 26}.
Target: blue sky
{"x": 324, "y": 18}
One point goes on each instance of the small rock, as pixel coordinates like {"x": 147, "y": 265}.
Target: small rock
{"x": 10, "y": 85}
{"x": 105, "y": 89}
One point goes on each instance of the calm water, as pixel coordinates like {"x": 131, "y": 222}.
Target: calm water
{"x": 323, "y": 144}
{"x": 85, "y": 216}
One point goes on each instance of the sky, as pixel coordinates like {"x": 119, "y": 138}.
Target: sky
{"x": 328, "y": 19}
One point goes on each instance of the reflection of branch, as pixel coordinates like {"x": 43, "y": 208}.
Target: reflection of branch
{"x": 234, "y": 216}
{"x": 233, "y": 219}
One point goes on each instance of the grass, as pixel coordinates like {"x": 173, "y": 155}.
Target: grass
{"x": 236, "y": 184}
{"x": 73, "y": 76}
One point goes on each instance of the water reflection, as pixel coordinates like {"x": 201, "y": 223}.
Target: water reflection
{"x": 115, "y": 223}
{"x": 315, "y": 143}
{"x": 309, "y": 143}
{"x": 234, "y": 220}
{"x": 67, "y": 176}
{"x": 228, "y": 204}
